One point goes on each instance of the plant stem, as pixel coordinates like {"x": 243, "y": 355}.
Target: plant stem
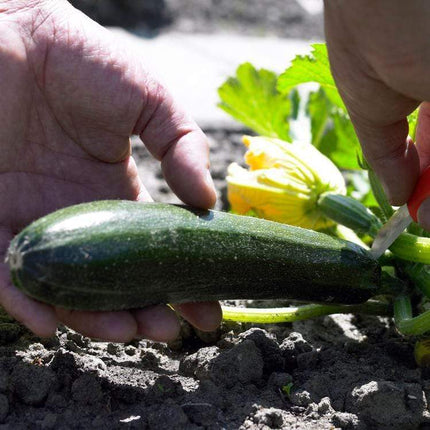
{"x": 405, "y": 322}
{"x": 418, "y": 273}
{"x": 412, "y": 248}
{"x": 353, "y": 214}
{"x": 297, "y": 313}
{"x": 380, "y": 195}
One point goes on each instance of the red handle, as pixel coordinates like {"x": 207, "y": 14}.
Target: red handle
{"x": 421, "y": 192}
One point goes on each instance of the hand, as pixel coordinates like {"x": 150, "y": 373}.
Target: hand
{"x": 380, "y": 59}
{"x": 70, "y": 98}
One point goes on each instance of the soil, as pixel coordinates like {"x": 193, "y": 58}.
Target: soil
{"x": 335, "y": 372}
{"x": 284, "y": 18}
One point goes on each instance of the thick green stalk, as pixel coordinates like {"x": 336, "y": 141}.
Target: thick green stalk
{"x": 415, "y": 326}
{"x": 412, "y": 248}
{"x": 354, "y": 215}
{"x": 297, "y": 313}
{"x": 402, "y": 308}
{"x": 405, "y": 322}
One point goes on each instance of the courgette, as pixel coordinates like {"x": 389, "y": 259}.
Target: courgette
{"x": 110, "y": 255}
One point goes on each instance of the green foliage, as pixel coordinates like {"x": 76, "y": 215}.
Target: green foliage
{"x": 295, "y": 103}
{"x": 251, "y": 97}
{"x": 315, "y": 68}
{"x": 413, "y": 121}
{"x": 332, "y": 131}
{"x": 286, "y": 389}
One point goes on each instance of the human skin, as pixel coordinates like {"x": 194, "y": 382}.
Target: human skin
{"x": 70, "y": 98}
{"x": 380, "y": 58}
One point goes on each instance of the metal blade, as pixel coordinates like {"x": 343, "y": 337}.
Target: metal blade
{"x": 391, "y": 231}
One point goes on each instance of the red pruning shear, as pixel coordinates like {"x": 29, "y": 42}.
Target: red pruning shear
{"x": 402, "y": 217}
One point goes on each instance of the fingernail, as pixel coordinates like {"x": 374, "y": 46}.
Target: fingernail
{"x": 393, "y": 200}
{"x": 424, "y": 215}
{"x": 211, "y": 185}
{"x": 387, "y": 192}
{"x": 209, "y": 179}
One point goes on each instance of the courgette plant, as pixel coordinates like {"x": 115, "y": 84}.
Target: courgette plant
{"x": 111, "y": 255}
{"x": 282, "y": 110}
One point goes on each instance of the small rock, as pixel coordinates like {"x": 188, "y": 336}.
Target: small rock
{"x": 388, "y": 404}
{"x": 149, "y": 359}
{"x": 198, "y": 364}
{"x": 4, "y": 407}
{"x": 300, "y": 397}
{"x": 71, "y": 346}
{"x": 300, "y": 345}
{"x": 345, "y": 420}
{"x": 311, "y": 412}
{"x": 113, "y": 348}
{"x": 32, "y": 383}
{"x": 270, "y": 350}
{"x": 270, "y": 417}
{"x": 64, "y": 364}
{"x": 64, "y": 360}
{"x": 291, "y": 347}
{"x": 130, "y": 350}
{"x": 91, "y": 364}
{"x": 242, "y": 363}
{"x": 324, "y": 406}
{"x": 86, "y": 390}
{"x": 80, "y": 340}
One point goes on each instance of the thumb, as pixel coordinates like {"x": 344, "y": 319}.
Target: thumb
{"x": 175, "y": 139}
{"x": 392, "y": 155}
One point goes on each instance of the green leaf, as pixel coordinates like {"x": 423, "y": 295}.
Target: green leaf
{"x": 319, "y": 109}
{"x": 252, "y": 98}
{"x": 314, "y": 67}
{"x": 286, "y": 389}
{"x": 332, "y": 131}
{"x": 295, "y": 103}
{"x": 348, "y": 149}
{"x": 413, "y": 121}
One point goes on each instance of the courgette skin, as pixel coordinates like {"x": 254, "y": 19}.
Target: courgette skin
{"x": 111, "y": 255}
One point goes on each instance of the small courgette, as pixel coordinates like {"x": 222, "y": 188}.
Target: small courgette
{"x": 109, "y": 255}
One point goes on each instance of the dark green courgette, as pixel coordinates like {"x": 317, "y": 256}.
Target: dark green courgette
{"x": 110, "y": 255}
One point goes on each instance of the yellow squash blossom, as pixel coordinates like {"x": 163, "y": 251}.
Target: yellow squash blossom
{"x": 283, "y": 182}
